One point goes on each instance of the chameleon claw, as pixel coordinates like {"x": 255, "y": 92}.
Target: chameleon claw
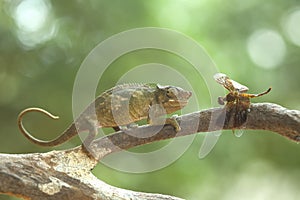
{"x": 132, "y": 125}
{"x": 128, "y": 126}
{"x": 174, "y": 116}
{"x": 123, "y": 128}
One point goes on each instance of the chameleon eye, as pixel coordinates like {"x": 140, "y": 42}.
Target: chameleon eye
{"x": 168, "y": 93}
{"x": 171, "y": 92}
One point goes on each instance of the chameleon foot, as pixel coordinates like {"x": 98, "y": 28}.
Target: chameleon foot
{"x": 132, "y": 125}
{"x": 172, "y": 121}
{"x": 129, "y": 126}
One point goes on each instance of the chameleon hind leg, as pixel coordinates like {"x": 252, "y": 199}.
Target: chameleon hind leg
{"x": 93, "y": 131}
{"x": 116, "y": 128}
{"x": 126, "y": 127}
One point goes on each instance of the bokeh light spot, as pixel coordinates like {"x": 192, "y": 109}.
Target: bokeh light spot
{"x": 31, "y": 15}
{"x": 34, "y": 22}
{"x": 292, "y": 26}
{"x": 266, "y": 48}
{"x": 175, "y": 15}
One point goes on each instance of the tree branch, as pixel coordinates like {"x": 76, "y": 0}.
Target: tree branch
{"x": 67, "y": 174}
{"x": 262, "y": 116}
{"x": 59, "y": 175}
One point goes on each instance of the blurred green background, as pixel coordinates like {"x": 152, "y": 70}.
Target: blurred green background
{"x": 43, "y": 43}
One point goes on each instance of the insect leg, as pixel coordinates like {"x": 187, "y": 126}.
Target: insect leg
{"x": 221, "y": 100}
{"x": 256, "y": 95}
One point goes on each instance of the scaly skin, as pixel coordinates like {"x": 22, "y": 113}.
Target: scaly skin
{"x": 119, "y": 106}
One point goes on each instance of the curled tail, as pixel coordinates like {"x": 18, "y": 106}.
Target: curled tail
{"x": 66, "y": 135}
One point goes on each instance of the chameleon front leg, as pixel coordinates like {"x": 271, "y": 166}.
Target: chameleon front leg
{"x": 154, "y": 117}
{"x": 172, "y": 121}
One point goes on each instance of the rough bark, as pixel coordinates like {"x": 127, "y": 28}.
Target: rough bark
{"x": 67, "y": 174}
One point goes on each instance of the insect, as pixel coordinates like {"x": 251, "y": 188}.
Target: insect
{"x": 237, "y": 100}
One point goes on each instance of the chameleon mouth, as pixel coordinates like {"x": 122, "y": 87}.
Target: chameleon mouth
{"x": 178, "y": 103}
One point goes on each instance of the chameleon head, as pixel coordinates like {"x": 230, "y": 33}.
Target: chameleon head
{"x": 172, "y": 98}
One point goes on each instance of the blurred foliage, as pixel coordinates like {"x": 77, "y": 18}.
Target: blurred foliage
{"x": 41, "y": 52}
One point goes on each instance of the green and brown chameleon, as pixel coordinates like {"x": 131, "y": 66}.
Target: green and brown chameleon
{"x": 119, "y": 106}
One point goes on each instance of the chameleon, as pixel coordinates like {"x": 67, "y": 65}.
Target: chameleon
{"x": 119, "y": 106}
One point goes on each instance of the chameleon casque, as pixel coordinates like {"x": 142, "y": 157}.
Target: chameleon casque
{"x": 121, "y": 105}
